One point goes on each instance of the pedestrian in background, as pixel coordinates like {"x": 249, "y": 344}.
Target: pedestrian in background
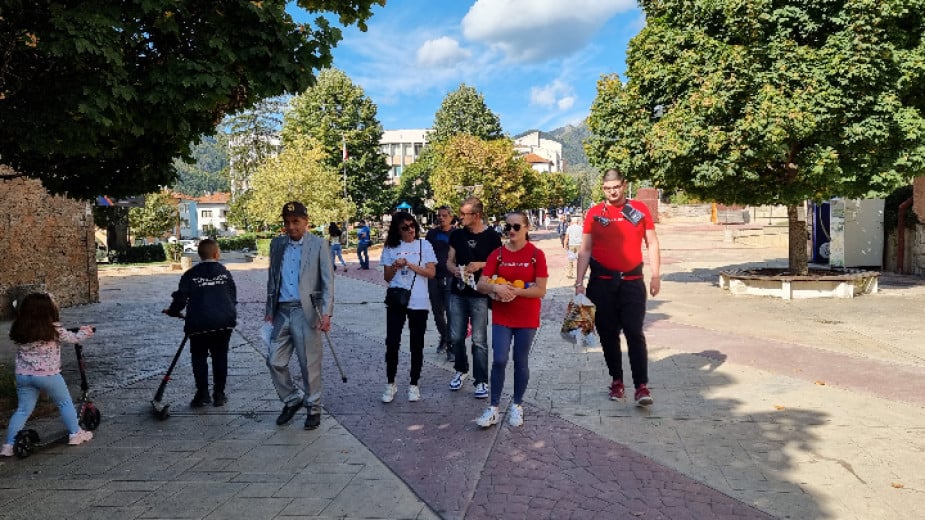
{"x": 364, "y": 240}
{"x": 300, "y": 302}
{"x": 614, "y": 232}
{"x": 574, "y": 234}
{"x": 515, "y": 312}
{"x": 334, "y": 239}
{"x": 209, "y": 294}
{"x": 561, "y": 230}
{"x": 469, "y": 249}
{"x": 408, "y": 263}
{"x": 439, "y": 286}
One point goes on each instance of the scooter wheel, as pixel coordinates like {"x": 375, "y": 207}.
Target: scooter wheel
{"x": 164, "y": 413}
{"x": 90, "y": 418}
{"x": 25, "y": 442}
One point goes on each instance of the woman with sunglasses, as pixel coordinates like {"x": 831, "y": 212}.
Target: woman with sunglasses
{"x": 408, "y": 262}
{"x": 515, "y": 312}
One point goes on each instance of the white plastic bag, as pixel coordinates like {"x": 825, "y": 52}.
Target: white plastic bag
{"x": 578, "y": 325}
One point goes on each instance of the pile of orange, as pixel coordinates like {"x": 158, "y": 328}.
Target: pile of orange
{"x": 500, "y": 280}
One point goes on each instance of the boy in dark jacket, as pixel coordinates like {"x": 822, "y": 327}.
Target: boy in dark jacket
{"x": 209, "y": 294}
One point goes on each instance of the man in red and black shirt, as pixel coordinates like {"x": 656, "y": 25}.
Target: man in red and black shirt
{"x": 611, "y": 246}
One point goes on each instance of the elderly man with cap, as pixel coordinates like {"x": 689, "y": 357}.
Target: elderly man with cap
{"x": 300, "y": 301}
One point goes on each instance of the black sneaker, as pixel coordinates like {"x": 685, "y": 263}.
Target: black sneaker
{"x": 200, "y": 399}
{"x": 287, "y": 413}
{"x": 312, "y": 421}
{"x": 219, "y": 399}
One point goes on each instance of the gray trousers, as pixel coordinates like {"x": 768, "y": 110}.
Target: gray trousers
{"x": 293, "y": 331}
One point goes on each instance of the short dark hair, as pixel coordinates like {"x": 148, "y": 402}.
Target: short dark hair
{"x": 476, "y": 204}
{"x": 208, "y": 249}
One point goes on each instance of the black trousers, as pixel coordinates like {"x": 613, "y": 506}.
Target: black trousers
{"x": 394, "y": 323}
{"x": 206, "y": 344}
{"x": 621, "y": 307}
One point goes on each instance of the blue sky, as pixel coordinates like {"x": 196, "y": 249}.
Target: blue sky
{"x": 537, "y": 62}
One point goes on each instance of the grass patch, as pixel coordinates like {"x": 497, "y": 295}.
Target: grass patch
{"x": 8, "y": 397}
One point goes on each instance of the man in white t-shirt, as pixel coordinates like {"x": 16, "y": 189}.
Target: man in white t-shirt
{"x": 573, "y": 235}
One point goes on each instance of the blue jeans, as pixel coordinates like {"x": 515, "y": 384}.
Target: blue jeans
{"x": 501, "y": 337}
{"x": 27, "y": 392}
{"x": 462, "y": 309}
{"x": 363, "y": 254}
{"x": 337, "y": 252}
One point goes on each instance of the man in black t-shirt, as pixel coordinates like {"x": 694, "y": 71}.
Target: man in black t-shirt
{"x": 439, "y": 286}
{"x": 469, "y": 249}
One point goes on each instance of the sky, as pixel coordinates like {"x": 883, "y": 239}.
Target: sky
{"x": 536, "y": 62}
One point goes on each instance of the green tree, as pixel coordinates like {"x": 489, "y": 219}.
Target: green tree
{"x": 414, "y": 184}
{"x": 336, "y": 112}
{"x": 100, "y": 96}
{"x": 300, "y": 172}
{"x": 765, "y": 102}
{"x": 207, "y": 172}
{"x": 464, "y": 111}
{"x": 490, "y": 170}
{"x": 158, "y": 216}
{"x": 558, "y": 189}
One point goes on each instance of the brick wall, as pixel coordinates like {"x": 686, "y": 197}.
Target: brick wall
{"x": 46, "y": 242}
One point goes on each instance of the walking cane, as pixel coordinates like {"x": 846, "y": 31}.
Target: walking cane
{"x": 343, "y": 377}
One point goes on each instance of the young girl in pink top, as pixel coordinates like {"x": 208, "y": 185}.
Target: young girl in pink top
{"x": 37, "y": 334}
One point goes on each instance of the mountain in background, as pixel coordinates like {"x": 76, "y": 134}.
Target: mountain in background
{"x": 571, "y": 137}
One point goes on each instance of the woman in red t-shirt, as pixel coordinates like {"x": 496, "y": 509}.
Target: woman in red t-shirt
{"x": 515, "y": 311}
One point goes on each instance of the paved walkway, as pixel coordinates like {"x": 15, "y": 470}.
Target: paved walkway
{"x": 764, "y": 408}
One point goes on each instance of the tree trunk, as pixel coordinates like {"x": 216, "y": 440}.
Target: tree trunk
{"x": 798, "y": 258}
{"x": 117, "y": 229}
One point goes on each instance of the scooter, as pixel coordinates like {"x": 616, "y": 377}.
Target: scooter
{"x": 161, "y": 409}
{"x": 88, "y": 415}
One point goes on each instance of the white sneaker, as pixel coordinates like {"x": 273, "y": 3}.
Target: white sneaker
{"x": 80, "y": 437}
{"x": 457, "y": 381}
{"x": 515, "y": 416}
{"x": 389, "y": 394}
{"x": 414, "y": 393}
{"x": 6, "y": 451}
{"x": 481, "y": 391}
{"x": 488, "y": 418}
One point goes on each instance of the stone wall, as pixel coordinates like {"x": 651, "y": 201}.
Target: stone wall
{"x": 47, "y": 243}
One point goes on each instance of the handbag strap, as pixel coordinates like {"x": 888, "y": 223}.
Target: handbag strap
{"x": 420, "y": 253}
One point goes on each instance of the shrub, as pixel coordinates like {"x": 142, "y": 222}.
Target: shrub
{"x": 263, "y": 246}
{"x": 237, "y": 243}
{"x": 174, "y": 251}
{"x": 140, "y": 254}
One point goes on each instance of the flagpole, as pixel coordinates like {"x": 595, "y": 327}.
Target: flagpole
{"x": 344, "y": 150}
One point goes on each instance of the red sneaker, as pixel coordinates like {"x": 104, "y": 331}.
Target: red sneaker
{"x": 617, "y": 390}
{"x": 643, "y": 398}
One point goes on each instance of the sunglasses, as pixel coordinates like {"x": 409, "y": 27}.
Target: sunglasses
{"x": 407, "y": 227}
{"x": 515, "y": 227}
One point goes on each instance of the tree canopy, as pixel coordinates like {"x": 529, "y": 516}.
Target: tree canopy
{"x": 336, "y": 112}
{"x": 158, "y": 216}
{"x": 464, "y": 111}
{"x": 491, "y": 170}
{"x": 207, "y": 172}
{"x": 300, "y": 172}
{"x": 100, "y": 97}
{"x": 768, "y": 102}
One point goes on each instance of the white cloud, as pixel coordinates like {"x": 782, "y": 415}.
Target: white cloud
{"x": 538, "y": 30}
{"x": 556, "y": 94}
{"x": 441, "y": 53}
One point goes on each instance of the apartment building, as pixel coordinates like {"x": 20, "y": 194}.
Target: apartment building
{"x": 401, "y": 148}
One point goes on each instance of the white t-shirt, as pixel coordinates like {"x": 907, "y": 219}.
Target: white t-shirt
{"x": 412, "y": 252}
{"x": 574, "y": 233}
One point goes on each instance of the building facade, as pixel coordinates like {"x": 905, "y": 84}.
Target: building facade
{"x": 401, "y": 148}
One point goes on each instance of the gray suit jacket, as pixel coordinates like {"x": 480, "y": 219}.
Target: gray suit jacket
{"x": 316, "y": 277}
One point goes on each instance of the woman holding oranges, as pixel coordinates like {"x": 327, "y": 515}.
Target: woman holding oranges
{"x": 515, "y": 277}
